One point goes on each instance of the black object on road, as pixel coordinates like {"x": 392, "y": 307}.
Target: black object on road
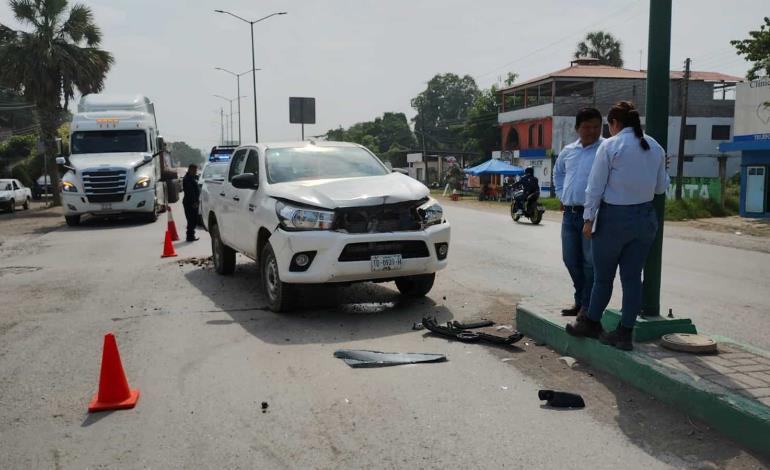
{"x": 361, "y": 358}
{"x": 561, "y": 399}
{"x": 475, "y": 324}
{"x": 460, "y": 334}
{"x": 264, "y": 407}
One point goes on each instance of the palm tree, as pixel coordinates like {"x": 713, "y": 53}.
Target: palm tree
{"x": 602, "y": 46}
{"x": 48, "y": 63}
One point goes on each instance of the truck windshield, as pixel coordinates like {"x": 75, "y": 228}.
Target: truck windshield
{"x": 312, "y": 162}
{"x": 109, "y": 141}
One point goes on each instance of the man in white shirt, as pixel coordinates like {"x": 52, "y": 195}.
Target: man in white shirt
{"x": 570, "y": 176}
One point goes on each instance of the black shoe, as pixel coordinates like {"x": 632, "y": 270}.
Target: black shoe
{"x": 585, "y": 327}
{"x": 570, "y": 312}
{"x": 621, "y": 338}
{"x": 193, "y": 239}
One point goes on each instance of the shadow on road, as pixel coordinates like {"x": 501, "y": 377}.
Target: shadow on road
{"x": 324, "y": 314}
{"x": 109, "y": 223}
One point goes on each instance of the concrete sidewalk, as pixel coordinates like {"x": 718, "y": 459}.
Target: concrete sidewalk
{"x": 730, "y": 390}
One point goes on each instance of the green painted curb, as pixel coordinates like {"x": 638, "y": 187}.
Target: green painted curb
{"x": 649, "y": 329}
{"x": 742, "y": 419}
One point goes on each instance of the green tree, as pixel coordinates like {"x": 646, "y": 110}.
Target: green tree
{"x": 381, "y": 135}
{"x": 185, "y": 155}
{"x": 603, "y": 46}
{"x": 757, "y": 50}
{"x": 480, "y": 130}
{"x": 442, "y": 108}
{"x": 57, "y": 56}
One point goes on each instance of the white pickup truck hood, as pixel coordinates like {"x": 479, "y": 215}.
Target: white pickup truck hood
{"x": 125, "y": 160}
{"x": 352, "y": 192}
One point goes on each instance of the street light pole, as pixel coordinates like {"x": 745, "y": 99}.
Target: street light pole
{"x": 253, "y": 61}
{"x": 238, "y": 87}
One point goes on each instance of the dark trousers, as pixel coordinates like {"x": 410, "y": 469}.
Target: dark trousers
{"x": 624, "y": 235}
{"x": 191, "y": 212}
{"x": 576, "y": 253}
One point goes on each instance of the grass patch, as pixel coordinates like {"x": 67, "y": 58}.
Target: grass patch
{"x": 700, "y": 208}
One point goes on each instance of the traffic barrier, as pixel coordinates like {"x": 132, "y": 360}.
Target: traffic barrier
{"x": 172, "y": 226}
{"x": 113, "y": 393}
{"x": 168, "y": 247}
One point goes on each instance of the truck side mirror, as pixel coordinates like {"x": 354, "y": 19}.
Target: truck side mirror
{"x": 160, "y": 143}
{"x": 61, "y": 161}
{"x": 246, "y": 181}
{"x": 147, "y": 158}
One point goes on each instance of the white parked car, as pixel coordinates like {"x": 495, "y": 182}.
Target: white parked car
{"x": 325, "y": 212}
{"x": 13, "y": 193}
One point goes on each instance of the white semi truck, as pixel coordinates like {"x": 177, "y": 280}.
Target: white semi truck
{"x": 117, "y": 162}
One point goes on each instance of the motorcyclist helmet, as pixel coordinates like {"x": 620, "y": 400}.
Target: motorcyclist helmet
{"x": 529, "y": 171}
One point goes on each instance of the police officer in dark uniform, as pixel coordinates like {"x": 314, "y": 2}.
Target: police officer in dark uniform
{"x": 191, "y": 200}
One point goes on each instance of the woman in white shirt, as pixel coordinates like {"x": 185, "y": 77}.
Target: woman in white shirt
{"x": 629, "y": 169}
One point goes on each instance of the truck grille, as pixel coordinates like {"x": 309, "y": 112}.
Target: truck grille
{"x": 364, "y": 251}
{"x": 399, "y": 217}
{"x": 105, "y": 185}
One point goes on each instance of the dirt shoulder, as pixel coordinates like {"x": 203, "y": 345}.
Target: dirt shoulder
{"x": 733, "y": 232}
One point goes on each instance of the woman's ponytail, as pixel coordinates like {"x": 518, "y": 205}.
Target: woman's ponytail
{"x": 626, "y": 113}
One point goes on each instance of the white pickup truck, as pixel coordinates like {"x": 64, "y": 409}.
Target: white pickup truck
{"x": 13, "y": 193}
{"x": 325, "y": 212}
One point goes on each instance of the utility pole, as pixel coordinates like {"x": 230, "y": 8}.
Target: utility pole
{"x": 682, "y": 131}
{"x": 656, "y": 111}
{"x": 222, "y": 126}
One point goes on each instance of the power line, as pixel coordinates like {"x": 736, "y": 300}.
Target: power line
{"x": 560, "y": 40}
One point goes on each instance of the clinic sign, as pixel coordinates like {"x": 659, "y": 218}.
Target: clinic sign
{"x": 696, "y": 188}
{"x": 752, "y": 110}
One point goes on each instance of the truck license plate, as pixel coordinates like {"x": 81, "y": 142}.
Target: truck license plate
{"x": 386, "y": 263}
{"x": 106, "y": 207}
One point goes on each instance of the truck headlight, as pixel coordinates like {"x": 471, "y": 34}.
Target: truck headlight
{"x": 68, "y": 187}
{"x": 301, "y": 218}
{"x": 431, "y": 213}
{"x": 143, "y": 182}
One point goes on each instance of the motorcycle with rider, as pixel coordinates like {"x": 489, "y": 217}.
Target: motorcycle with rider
{"x": 526, "y": 193}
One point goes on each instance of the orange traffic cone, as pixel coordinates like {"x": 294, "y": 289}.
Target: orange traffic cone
{"x": 172, "y": 226}
{"x": 114, "y": 393}
{"x": 168, "y": 247}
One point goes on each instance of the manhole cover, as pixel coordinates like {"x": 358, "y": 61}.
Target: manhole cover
{"x": 687, "y": 342}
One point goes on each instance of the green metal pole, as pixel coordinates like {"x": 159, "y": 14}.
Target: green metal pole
{"x": 658, "y": 60}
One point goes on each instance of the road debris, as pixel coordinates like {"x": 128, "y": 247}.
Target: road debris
{"x": 264, "y": 407}
{"x": 418, "y": 326}
{"x": 561, "y": 399}
{"x": 451, "y": 331}
{"x": 470, "y": 325}
{"x": 504, "y": 328}
{"x": 362, "y": 358}
{"x": 569, "y": 361}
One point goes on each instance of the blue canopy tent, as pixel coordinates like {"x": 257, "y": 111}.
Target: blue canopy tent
{"x": 495, "y": 167}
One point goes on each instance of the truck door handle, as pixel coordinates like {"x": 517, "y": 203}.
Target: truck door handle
{"x": 222, "y": 194}
{"x": 236, "y": 198}
{"x": 251, "y": 207}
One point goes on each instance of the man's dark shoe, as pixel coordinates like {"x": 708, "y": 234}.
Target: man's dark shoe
{"x": 585, "y": 327}
{"x": 193, "y": 239}
{"x": 621, "y": 338}
{"x": 570, "y": 312}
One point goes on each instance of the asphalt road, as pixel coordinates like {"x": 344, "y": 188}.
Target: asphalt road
{"x": 205, "y": 354}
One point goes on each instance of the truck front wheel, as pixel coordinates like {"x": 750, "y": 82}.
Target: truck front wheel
{"x": 415, "y": 286}
{"x": 72, "y": 220}
{"x": 26, "y": 204}
{"x": 279, "y": 294}
{"x": 224, "y": 256}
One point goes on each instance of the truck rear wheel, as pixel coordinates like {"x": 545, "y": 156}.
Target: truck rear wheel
{"x": 224, "y": 256}
{"x": 26, "y": 204}
{"x": 415, "y": 286}
{"x": 279, "y": 294}
{"x": 72, "y": 220}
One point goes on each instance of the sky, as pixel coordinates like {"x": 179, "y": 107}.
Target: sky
{"x": 360, "y": 58}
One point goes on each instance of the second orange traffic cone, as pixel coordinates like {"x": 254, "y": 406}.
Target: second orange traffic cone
{"x": 113, "y": 393}
{"x": 172, "y": 226}
{"x": 168, "y": 247}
